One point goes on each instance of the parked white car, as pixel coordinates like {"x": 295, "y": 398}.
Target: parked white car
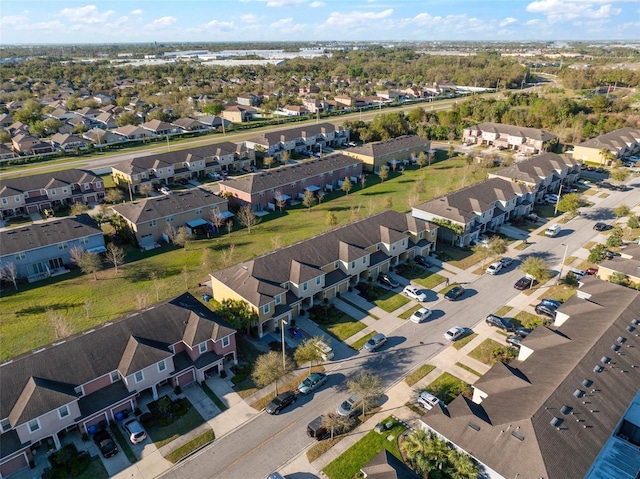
{"x": 427, "y": 400}
{"x": 165, "y": 191}
{"x": 552, "y": 230}
{"x": 414, "y": 293}
{"x": 454, "y": 333}
{"x": 494, "y": 268}
{"x": 421, "y": 315}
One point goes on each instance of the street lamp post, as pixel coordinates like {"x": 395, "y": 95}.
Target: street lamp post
{"x": 564, "y": 257}
{"x": 284, "y": 357}
{"x": 555, "y": 211}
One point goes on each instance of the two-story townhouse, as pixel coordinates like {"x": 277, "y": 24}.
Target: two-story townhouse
{"x": 568, "y": 406}
{"x": 68, "y": 142}
{"x": 383, "y": 153}
{"x": 238, "y": 113}
{"x": 42, "y": 250}
{"x": 314, "y": 105}
{"x": 31, "y": 194}
{"x": 273, "y": 188}
{"x": 225, "y": 156}
{"x": 153, "y": 169}
{"x": 25, "y": 144}
{"x": 278, "y": 285}
{"x": 517, "y": 138}
{"x": 305, "y": 139}
{"x": 620, "y": 144}
{"x": 44, "y": 394}
{"x": 149, "y": 219}
{"x": 545, "y": 173}
{"x": 467, "y": 213}
{"x": 248, "y": 99}
{"x": 627, "y": 264}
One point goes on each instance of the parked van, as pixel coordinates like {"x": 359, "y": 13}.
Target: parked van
{"x": 325, "y": 350}
{"x": 552, "y": 230}
{"x": 316, "y": 430}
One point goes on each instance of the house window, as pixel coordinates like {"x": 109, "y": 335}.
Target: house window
{"x": 34, "y": 426}
{"x": 78, "y": 390}
{"x": 278, "y": 299}
{"x": 135, "y": 177}
{"x": 404, "y": 242}
{"x": 304, "y": 286}
{"x": 199, "y": 211}
{"x": 87, "y": 186}
{"x": 21, "y": 255}
{"x": 266, "y": 308}
{"x": 4, "y": 201}
{"x": 162, "y": 365}
{"x": 353, "y": 264}
{"x": 393, "y": 248}
{"x": 65, "y": 191}
{"x": 169, "y": 219}
{"x": 202, "y": 347}
{"x": 17, "y": 199}
{"x": 138, "y": 376}
{"x": 63, "y": 411}
{"x": 53, "y": 192}
{"x": 115, "y": 376}
{"x": 318, "y": 281}
{"x": 225, "y": 342}
{"x": 293, "y": 185}
{"x": 153, "y": 223}
{"x": 5, "y": 425}
{"x": 336, "y": 264}
{"x": 63, "y": 246}
{"x": 172, "y": 348}
{"x": 364, "y": 260}
{"x": 84, "y": 240}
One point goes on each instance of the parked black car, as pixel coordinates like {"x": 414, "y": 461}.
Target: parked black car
{"x": 611, "y": 254}
{"x": 454, "y": 293}
{"x": 105, "y": 443}
{"x": 280, "y": 402}
{"x": 523, "y": 332}
{"x": 385, "y": 279}
{"x": 514, "y": 341}
{"x": 524, "y": 283}
{"x": 422, "y": 261}
{"x": 554, "y": 303}
{"x": 501, "y": 323}
{"x": 600, "y": 226}
{"x": 546, "y": 310}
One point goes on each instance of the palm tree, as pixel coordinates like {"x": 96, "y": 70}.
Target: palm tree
{"x": 414, "y": 447}
{"x": 438, "y": 452}
{"x": 461, "y": 466}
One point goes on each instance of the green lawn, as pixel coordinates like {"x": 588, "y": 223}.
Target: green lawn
{"x": 461, "y": 343}
{"x": 447, "y": 387}
{"x": 424, "y": 277}
{"x": 407, "y": 314}
{"x": 418, "y": 374}
{"x": 343, "y": 328}
{"x": 467, "y": 368}
{"x": 96, "y": 470}
{"x": 359, "y": 344}
{"x": 165, "y": 434}
{"x": 503, "y": 310}
{"x": 483, "y": 351}
{"x": 191, "y": 446}
{"x": 348, "y": 464}
{"x": 85, "y": 303}
{"x": 390, "y": 301}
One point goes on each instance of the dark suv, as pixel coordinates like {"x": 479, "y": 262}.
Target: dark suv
{"x": 501, "y": 323}
{"x": 105, "y": 443}
{"x": 280, "y": 402}
{"x": 546, "y": 309}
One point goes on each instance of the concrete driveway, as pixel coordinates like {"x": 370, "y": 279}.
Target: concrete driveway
{"x": 113, "y": 464}
{"x": 198, "y": 398}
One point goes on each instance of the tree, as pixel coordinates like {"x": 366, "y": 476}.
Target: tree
{"x": 633, "y": 222}
{"x": 331, "y": 219}
{"x": 619, "y": 278}
{"x": 597, "y": 254}
{"x": 335, "y": 423}
{"x": 170, "y": 232}
{"x": 214, "y": 108}
{"x": 498, "y": 246}
{"x": 59, "y": 323}
{"x": 346, "y": 185}
{"x": 127, "y": 118}
{"x": 618, "y": 174}
{"x": 308, "y": 352}
{"x": 569, "y": 203}
{"x": 536, "y": 267}
{"x": 216, "y": 220}
{"x": 229, "y": 226}
{"x": 113, "y": 195}
{"x": 89, "y": 263}
{"x": 388, "y": 202}
{"x": 146, "y": 189}
{"x": 363, "y": 180}
{"x": 422, "y": 159}
{"x": 155, "y": 279}
{"x": 309, "y": 199}
{"x": 115, "y": 255}
{"x": 383, "y": 173}
{"x": 605, "y": 155}
{"x": 367, "y": 386}
{"x": 482, "y": 252}
{"x": 451, "y": 151}
{"x": 615, "y": 237}
{"x": 268, "y": 369}
{"x": 268, "y": 161}
{"x": 238, "y": 314}
{"x": 414, "y": 448}
{"x": 78, "y": 208}
{"x": 281, "y": 202}
{"x": 432, "y": 155}
{"x": 285, "y": 156}
{"x": 9, "y": 272}
{"x": 320, "y": 194}
{"x": 228, "y": 255}
{"x": 621, "y": 211}
{"x": 247, "y": 218}
{"x": 181, "y": 237}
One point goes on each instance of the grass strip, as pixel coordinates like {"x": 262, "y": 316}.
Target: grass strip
{"x": 343, "y": 328}
{"x": 390, "y": 301}
{"x": 407, "y": 314}
{"x": 357, "y": 345}
{"x": 464, "y": 341}
{"x": 467, "y": 368}
{"x": 418, "y": 374}
{"x": 190, "y": 447}
{"x": 124, "y": 444}
{"x": 362, "y": 310}
{"x": 483, "y": 352}
{"x": 447, "y": 387}
{"x": 503, "y": 310}
{"x": 290, "y": 385}
{"x": 216, "y": 400}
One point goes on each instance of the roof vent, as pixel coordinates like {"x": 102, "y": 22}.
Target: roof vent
{"x": 598, "y": 369}
{"x": 587, "y": 382}
{"x": 566, "y": 409}
{"x": 605, "y": 360}
{"x": 556, "y": 422}
{"x": 517, "y": 435}
{"x": 578, "y": 393}
{"x": 474, "y": 426}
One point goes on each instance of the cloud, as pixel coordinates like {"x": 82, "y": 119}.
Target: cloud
{"x": 534, "y": 21}
{"x": 249, "y": 18}
{"x": 508, "y": 21}
{"x": 87, "y": 14}
{"x": 348, "y": 20}
{"x": 220, "y": 25}
{"x": 284, "y": 3}
{"x": 162, "y": 22}
{"x": 287, "y": 25}
{"x": 562, "y": 10}
{"x": 317, "y": 4}
{"x": 137, "y": 11}
{"x": 13, "y": 21}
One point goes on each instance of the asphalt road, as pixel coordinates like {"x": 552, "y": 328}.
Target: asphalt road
{"x": 267, "y": 442}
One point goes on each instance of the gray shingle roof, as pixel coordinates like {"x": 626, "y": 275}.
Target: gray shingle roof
{"x": 515, "y": 419}
{"x": 290, "y": 134}
{"x": 512, "y": 130}
{"x": 162, "y": 206}
{"x": 48, "y": 180}
{"x": 140, "y": 338}
{"x": 38, "y": 235}
{"x": 614, "y": 141}
{"x": 386, "y": 147}
{"x": 536, "y": 168}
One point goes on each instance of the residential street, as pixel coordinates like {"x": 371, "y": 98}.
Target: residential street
{"x": 266, "y": 443}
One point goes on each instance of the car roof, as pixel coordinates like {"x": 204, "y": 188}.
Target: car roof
{"x": 378, "y": 337}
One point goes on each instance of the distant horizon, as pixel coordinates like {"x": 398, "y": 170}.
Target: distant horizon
{"x": 97, "y": 22}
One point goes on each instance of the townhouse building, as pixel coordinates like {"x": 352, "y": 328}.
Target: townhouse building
{"x": 627, "y": 264}
{"x": 44, "y": 394}
{"x": 619, "y": 144}
{"x": 25, "y": 144}
{"x": 568, "y": 406}
{"x": 31, "y": 194}
{"x": 275, "y": 187}
{"x": 467, "y": 213}
{"x": 544, "y": 173}
{"x": 278, "y": 285}
{"x": 42, "y": 250}
{"x": 511, "y": 137}
{"x": 383, "y": 153}
{"x": 169, "y": 167}
{"x": 152, "y": 219}
{"x": 305, "y": 139}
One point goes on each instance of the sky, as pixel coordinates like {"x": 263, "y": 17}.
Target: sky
{"x": 135, "y": 21}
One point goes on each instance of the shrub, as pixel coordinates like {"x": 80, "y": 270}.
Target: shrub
{"x": 223, "y": 374}
{"x": 177, "y": 390}
{"x": 80, "y": 463}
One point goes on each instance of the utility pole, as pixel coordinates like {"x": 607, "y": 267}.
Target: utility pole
{"x": 564, "y": 257}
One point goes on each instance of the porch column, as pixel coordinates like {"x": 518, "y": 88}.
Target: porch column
{"x": 56, "y": 441}
{"x": 154, "y": 391}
